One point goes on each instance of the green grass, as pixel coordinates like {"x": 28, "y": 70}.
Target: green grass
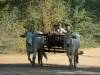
{"x": 12, "y": 44}
{"x": 89, "y": 42}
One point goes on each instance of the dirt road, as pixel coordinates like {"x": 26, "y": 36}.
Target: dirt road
{"x": 57, "y": 64}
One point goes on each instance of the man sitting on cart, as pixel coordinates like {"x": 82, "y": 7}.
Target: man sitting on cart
{"x": 58, "y": 29}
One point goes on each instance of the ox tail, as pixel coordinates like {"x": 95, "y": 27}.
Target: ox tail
{"x": 80, "y": 52}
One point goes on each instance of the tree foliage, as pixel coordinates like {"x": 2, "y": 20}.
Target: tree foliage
{"x": 83, "y": 15}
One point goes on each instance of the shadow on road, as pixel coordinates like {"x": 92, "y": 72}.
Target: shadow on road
{"x": 82, "y": 68}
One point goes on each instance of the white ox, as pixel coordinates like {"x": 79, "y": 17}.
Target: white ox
{"x": 34, "y": 44}
{"x": 71, "y": 45}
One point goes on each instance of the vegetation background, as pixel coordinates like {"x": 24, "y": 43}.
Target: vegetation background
{"x": 17, "y": 15}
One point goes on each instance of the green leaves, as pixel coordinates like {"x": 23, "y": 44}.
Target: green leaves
{"x": 83, "y": 15}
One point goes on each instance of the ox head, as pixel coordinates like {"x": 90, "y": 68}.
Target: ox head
{"x": 67, "y": 40}
{"x": 29, "y": 38}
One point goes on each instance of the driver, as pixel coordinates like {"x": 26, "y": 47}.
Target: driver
{"x": 59, "y": 29}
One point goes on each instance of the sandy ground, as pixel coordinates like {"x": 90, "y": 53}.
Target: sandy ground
{"x": 57, "y": 64}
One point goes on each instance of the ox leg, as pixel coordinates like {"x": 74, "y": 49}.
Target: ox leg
{"x": 41, "y": 56}
{"x": 28, "y": 54}
{"x": 71, "y": 59}
{"x": 76, "y": 58}
{"x": 39, "y": 59}
{"x": 34, "y": 56}
{"x": 70, "y": 62}
{"x": 75, "y": 61}
{"x": 33, "y": 61}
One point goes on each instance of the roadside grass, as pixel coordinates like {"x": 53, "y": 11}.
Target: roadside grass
{"x": 13, "y": 45}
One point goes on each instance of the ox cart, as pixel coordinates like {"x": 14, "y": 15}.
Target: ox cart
{"x": 54, "y": 42}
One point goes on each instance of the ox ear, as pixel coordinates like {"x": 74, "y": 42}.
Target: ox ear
{"x": 22, "y": 36}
